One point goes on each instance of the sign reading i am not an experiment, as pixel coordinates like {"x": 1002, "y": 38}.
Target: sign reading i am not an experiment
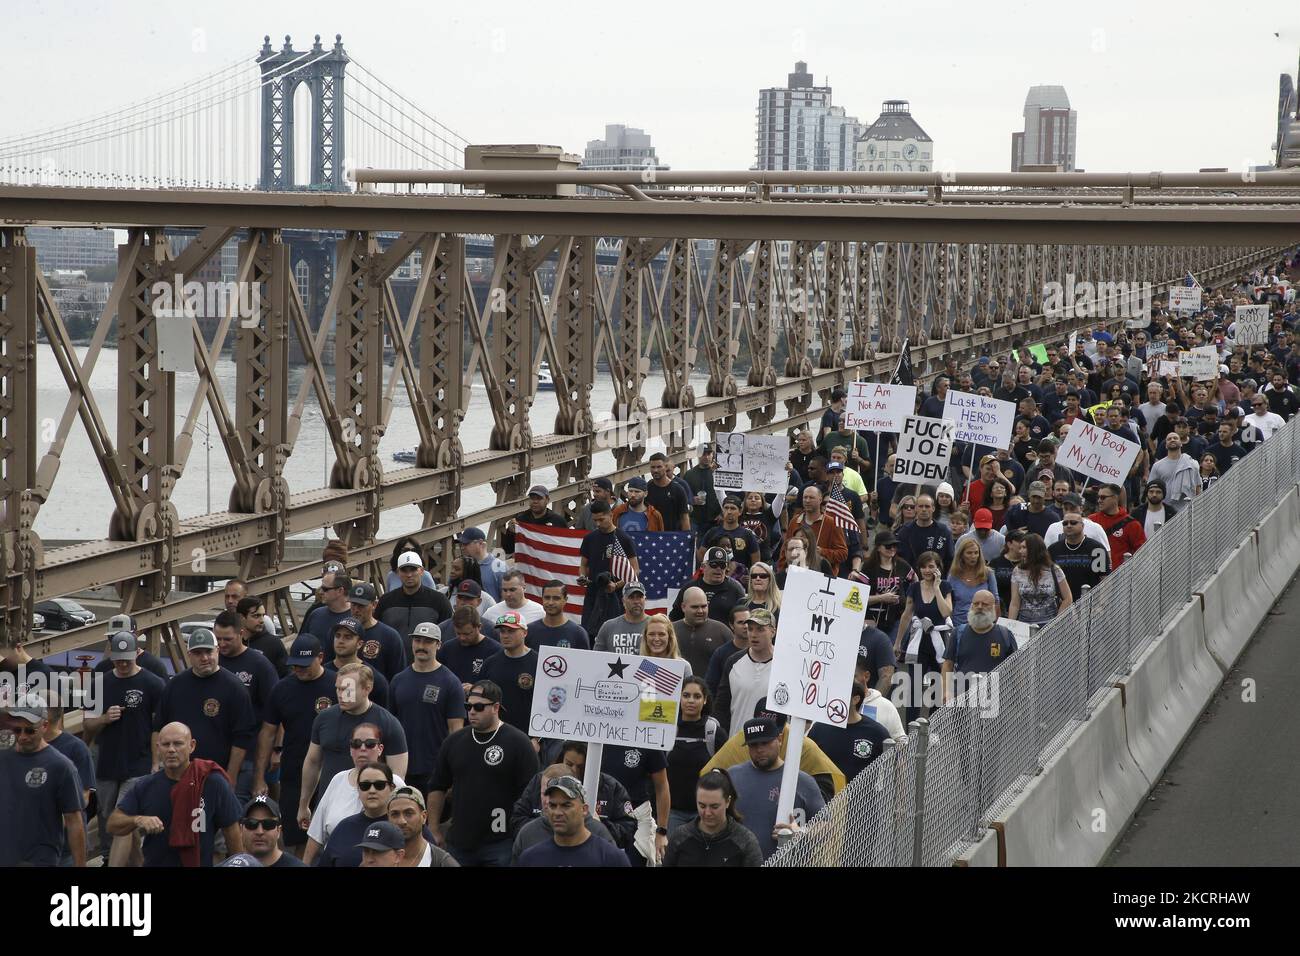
{"x": 816, "y": 647}
{"x": 924, "y": 449}
{"x": 877, "y": 407}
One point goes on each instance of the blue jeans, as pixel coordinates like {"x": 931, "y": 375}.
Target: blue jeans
{"x": 496, "y": 853}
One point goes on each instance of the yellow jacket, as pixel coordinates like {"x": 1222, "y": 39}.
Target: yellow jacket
{"x": 812, "y": 762}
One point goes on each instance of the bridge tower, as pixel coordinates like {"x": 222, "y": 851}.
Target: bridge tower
{"x": 323, "y": 72}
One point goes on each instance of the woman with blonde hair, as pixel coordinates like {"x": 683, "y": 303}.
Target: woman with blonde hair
{"x": 763, "y": 589}
{"x": 660, "y": 640}
{"x": 970, "y": 573}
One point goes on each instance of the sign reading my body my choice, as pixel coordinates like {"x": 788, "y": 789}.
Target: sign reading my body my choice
{"x": 980, "y": 420}
{"x": 816, "y": 646}
{"x": 605, "y": 698}
{"x": 1097, "y": 453}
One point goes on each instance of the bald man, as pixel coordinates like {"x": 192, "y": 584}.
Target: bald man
{"x": 978, "y": 647}
{"x": 146, "y": 806}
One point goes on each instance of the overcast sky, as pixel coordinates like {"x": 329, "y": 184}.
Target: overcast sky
{"x": 1157, "y": 85}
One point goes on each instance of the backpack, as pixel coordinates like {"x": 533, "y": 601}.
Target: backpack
{"x": 711, "y": 735}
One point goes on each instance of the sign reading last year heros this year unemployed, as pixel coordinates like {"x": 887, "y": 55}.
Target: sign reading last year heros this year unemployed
{"x": 816, "y": 647}
{"x": 602, "y": 698}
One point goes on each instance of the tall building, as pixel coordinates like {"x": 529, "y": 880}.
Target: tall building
{"x": 1048, "y": 136}
{"x": 1286, "y": 146}
{"x": 623, "y": 148}
{"x": 800, "y": 129}
{"x": 895, "y": 142}
{"x": 73, "y": 248}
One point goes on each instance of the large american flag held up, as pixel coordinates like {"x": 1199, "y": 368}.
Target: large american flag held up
{"x": 667, "y": 559}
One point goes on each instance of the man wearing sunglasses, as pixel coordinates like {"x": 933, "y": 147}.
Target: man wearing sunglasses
{"x": 722, "y": 592}
{"x": 1265, "y": 421}
{"x": 261, "y": 826}
{"x": 320, "y": 622}
{"x": 489, "y": 763}
{"x": 40, "y": 791}
{"x": 1082, "y": 558}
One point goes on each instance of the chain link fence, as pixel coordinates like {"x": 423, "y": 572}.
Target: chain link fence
{"x": 977, "y": 756}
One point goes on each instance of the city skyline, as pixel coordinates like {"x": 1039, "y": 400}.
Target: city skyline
{"x": 496, "y": 79}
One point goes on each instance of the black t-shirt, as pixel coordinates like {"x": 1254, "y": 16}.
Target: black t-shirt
{"x": 294, "y": 705}
{"x": 632, "y": 767}
{"x": 489, "y": 772}
{"x": 598, "y": 547}
{"x": 216, "y": 709}
{"x": 593, "y": 852}
{"x": 741, "y": 542}
{"x": 424, "y": 701}
{"x": 1021, "y": 517}
{"x": 1002, "y": 569}
{"x": 152, "y": 797}
{"x": 288, "y": 860}
{"x": 256, "y": 673}
{"x": 124, "y": 745}
{"x": 878, "y": 649}
{"x": 894, "y": 581}
{"x": 467, "y": 662}
{"x": 149, "y": 662}
{"x": 671, "y": 502}
{"x": 515, "y": 676}
{"x": 568, "y": 634}
{"x": 35, "y": 791}
{"x": 332, "y": 732}
{"x": 723, "y": 596}
{"x": 852, "y": 747}
{"x": 272, "y": 648}
{"x": 697, "y": 741}
{"x": 402, "y": 611}
{"x": 1086, "y": 564}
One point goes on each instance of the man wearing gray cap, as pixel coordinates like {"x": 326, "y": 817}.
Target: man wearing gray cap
{"x": 124, "y": 731}
{"x": 429, "y": 702}
{"x": 571, "y": 843}
{"x": 213, "y": 703}
{"x": 150, "y": 662}
{"x": 40, "y": 793}
{"x": 538, "y": 512}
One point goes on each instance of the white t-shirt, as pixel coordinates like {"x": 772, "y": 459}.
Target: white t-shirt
{"x": 1267, "y": 423}
{"x": 532, "y": 611}
{"x": 1156, "y": 520}
{"x": 341, "y": 800}
{"x": 749, "y": 680}
{"x": 882, "y": 710}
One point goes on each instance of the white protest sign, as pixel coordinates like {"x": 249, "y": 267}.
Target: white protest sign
{"x": 752, "y": 463}
{"x": 876, "y": 407}
{"x": 816, "y": 646}
{"x": 1074, "y": 338}
{"x": 1168, "y": 369}
{"x": 924, "y": 449}
{"x": 605, "y": 698}
{"x": 1095, "y": 452}
{"x": 1252, "y": 325}
{"x": 1157, "y": 348}
{"x": 1183, "y": 299}
{"x": 980, "y": 420}
{"x": 1199, "y": 363}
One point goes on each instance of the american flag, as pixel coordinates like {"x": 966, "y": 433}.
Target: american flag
{"x": 667, "y": 560}
{"x": 660, "y": 678}
{"x": 620, "y": 567}
{"x": 837, "y": 508}
{"x": 545, "y": 554}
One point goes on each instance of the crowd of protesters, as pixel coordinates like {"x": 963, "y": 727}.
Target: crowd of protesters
{"x": 392, "y": 730}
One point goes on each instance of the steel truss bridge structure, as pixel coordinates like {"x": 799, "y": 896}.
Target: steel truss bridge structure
{"x": 747, "y": 257}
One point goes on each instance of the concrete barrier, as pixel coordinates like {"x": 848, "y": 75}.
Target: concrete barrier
{"x": 1072, "y": 813}
{"x": 1171, "y": 683}
{"x": 1279, "y": 543}
{"x": 984, "y": 853}
{"x": 1234, "y": 602}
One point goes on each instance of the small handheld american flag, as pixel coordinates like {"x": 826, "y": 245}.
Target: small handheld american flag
{"x": 837, "y": 509}
{"x": 620, "y": 566}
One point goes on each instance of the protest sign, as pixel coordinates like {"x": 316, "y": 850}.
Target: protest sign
{"x": 876, "y": 407}
{"x": 1168, "y": 369}
{"x": 603, "y": 698}
{"x": 1074, "y": 338}
{"x": 751, "y": 463}
{"x": 1252, "y": 325}
{"x": 1184, "y": 299}
{"x": 1097, "y": 453}
{"x": 1200, "y": 363}
{"x": 980, "y": 420}
{"x": 817, "y": 646}
{"x": 1157, "y": 348}
{"x": 924, "y": 449}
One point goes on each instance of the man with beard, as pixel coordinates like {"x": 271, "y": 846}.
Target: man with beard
{"x": 259, "y": 635}
{"x": 978, "y": 647}
{"x": 758, "y": 785}
{"x": 428, "y": 701}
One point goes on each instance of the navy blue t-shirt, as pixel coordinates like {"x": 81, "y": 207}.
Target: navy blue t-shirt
{"x": 341, "y": 848}
{"x": 592, "y": 852}
{"x": 632, "y": 767}
{"x": 424, "y": 702}
{"x": 740, "y": 541}
{"x": 75, "y": 749}
{"x": 152, "y": 797}
{"x": 256, "y": 673}
{"x": 973, "y": 653}
{"x": 216, "y": 709}
{"x": 35, "y": 791}
{"x": 467, "y": 662}
{"x": 568, "y": 634}
{"x": 515, "y": 677}
{"x": 124, "y": 745}
{"x": 332, "y": 731}
{"x": 851, "y": 747}
{"x": 378, "y": 690}
{"x": 598, "y": 547}
{"x": 320, "y": 624}
{"x": 383, "y": 649}
{"x": 294, "y": 704}
{"x": 149, "y": 662}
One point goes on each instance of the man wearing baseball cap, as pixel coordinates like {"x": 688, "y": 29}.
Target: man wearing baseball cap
{"x": 213, "y": 704}
{"x": 401, "y": 609}
{"x": 407, "y": 812}
{"x": 124, "y": 730}
{"x": 622, "y": 634}
{"x": 634, "y": 514}
{"x": 538, "y": 512}
{"x": 991, "y": 541}
{"x": 262, "y": 824}
{"x": 150, "y": 662}
{"x": 40, "y": 791}
{"x": 381, "y": 646}
{"x": 1036, "y": 516}
{"x": 513, "y": 668}
{"x": 722, "y": 591}
{"x": 758, "y": 785}
{"x": 571, "y": 843}
{"x": 293, "y": 706}
{"x": 473, "y": 543}
{"x": 602, "y": 489}
{"x": 348, "y": 643}
{"x": 429, "y": 702}
{"x": 382, "y": 845}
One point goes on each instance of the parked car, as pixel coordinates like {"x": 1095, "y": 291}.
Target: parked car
{"x": 63, "y": 614}
{"x": 38, "y": 622}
